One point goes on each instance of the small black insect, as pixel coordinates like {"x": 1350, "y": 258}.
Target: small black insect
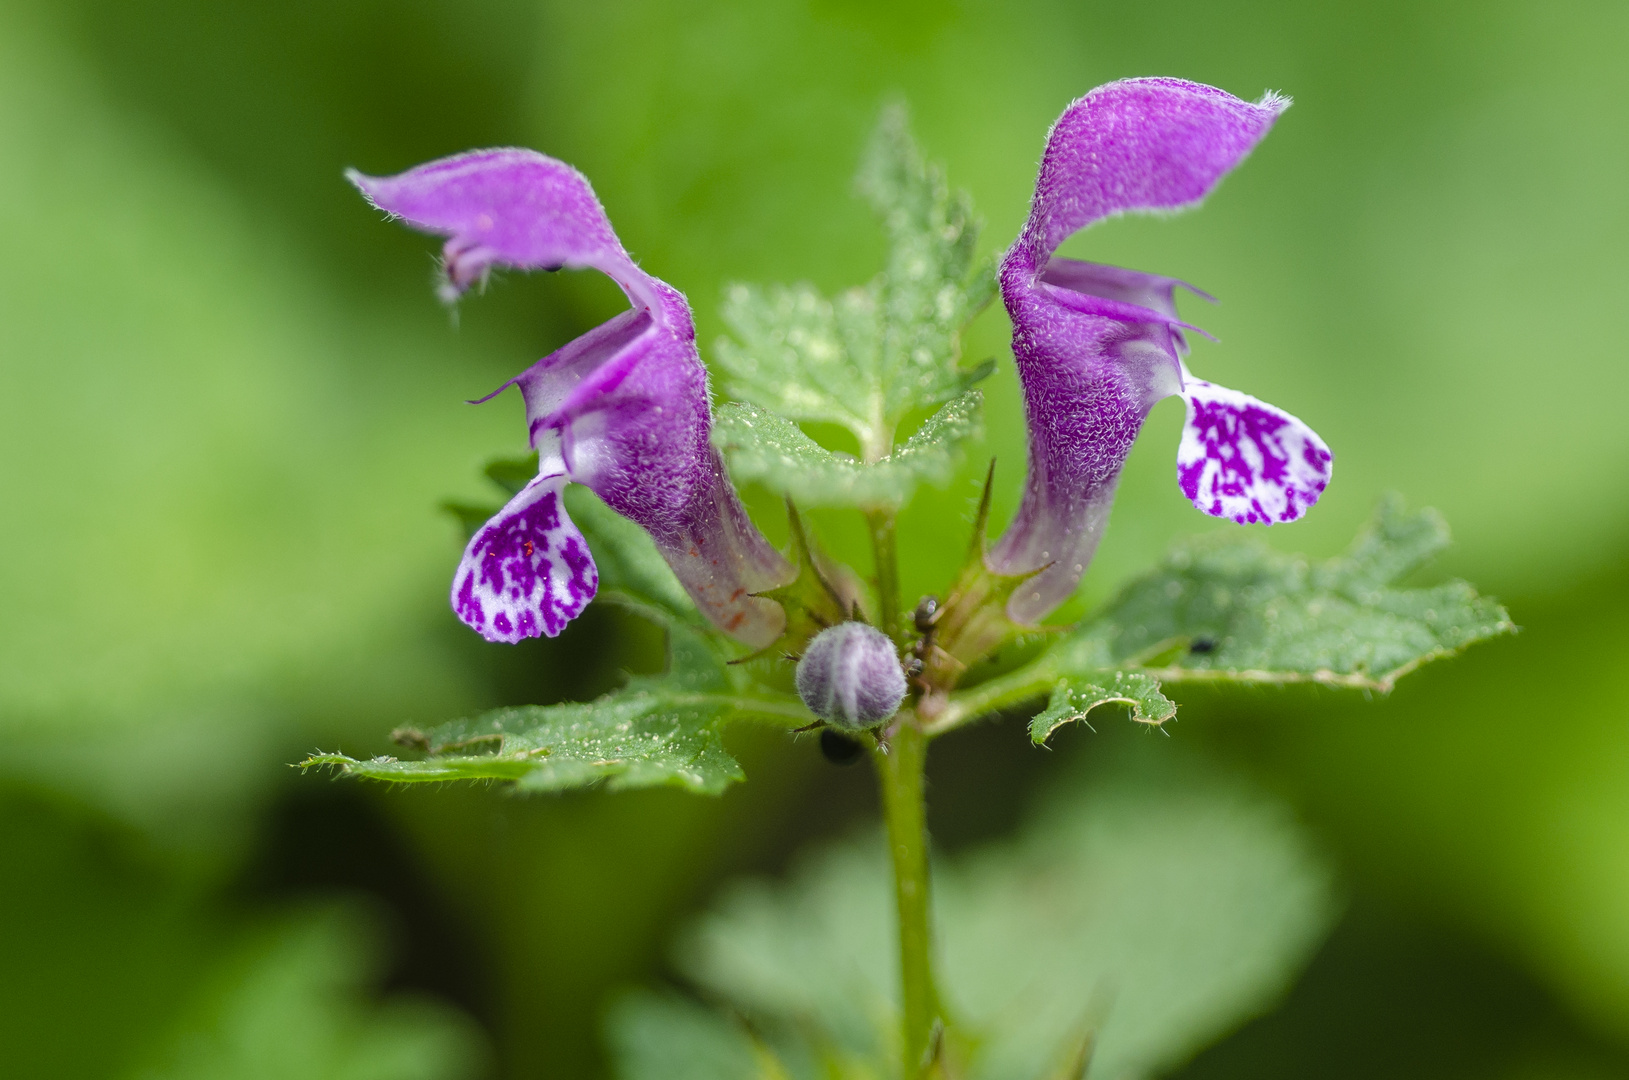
{"x": 927, "y": 613}
{"x": 925, "y": 619}
{"x": 838, "y": 748}
{"x": 1202, "y": 645}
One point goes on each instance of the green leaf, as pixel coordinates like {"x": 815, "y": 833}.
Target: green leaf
{"x": 928, "y": 290}
{"x": 1227, "y": 608}
{"x": 291, "y": 1000}
{"x": 1152, "y": 904}
{"x": 661, "y": 729}
{"x": 772, "y": 450}
{"x": 665, "y": 1037}
{"x": 1072, "y": 700}
{"x": 882, "y": 350}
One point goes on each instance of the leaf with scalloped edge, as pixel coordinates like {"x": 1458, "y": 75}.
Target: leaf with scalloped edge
{"x": 661, "y": 729}
{"x": 666, "y": 1037}
{"x": 767, "y": 448}
{"x": 876, "y": 352}
{"x": 1226, "y": 608}
{"x": 1072, "y": 699}
{"x": 1151, "y": 900}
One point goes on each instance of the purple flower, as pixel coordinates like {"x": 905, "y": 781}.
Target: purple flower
{"x": 622, "y": 409}
{"x": 1098, "y": 346}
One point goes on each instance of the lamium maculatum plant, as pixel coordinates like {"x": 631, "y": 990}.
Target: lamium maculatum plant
{"x": 625, "y": 413}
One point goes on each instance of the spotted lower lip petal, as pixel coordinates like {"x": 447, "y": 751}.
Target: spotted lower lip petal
{"x": 1248, "y": 461}
{"x": 623, "y": 409}
{"x": 528, "y": 570}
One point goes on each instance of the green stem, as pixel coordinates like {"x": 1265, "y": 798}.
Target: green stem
{"x": 900, "y": 771}
{"x": 1027, "y": 683}
{"x": 900, "y": 764}
{"x": 881, "y": 523}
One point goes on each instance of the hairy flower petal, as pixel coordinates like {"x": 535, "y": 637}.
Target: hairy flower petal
{"x": 624, "y": 408}
{"x": 1246, "y": 460}
{"x": 1139, "y": 145}
{"x": 527, "y": 571}
{"x": 1097, "y": 346}
{"x": 1089, "y": 381}
{"x": 508, "y": 207}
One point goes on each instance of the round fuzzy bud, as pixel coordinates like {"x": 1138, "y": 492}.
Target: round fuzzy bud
{"x": 850, "y": 676}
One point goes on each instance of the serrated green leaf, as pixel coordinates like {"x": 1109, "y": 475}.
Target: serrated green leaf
{"x": 665, "y": 1037}
{"x": 879, "y": 351}
{"x": 1227, "y": 608}
{"x": 662, "y": 729}
{"x": 767, "y": 448}
{"x": 1072, "y": 700}
{"x": 1153, "y": 902}
{"x": 924, "y": 294}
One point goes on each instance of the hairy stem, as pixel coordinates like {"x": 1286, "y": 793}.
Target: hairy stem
{"x": 900, "y": 771}
{"x": 900, "y": 764}
{"x": 881, "y": 524}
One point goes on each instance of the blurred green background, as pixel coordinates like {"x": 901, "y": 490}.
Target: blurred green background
{"x": 229, "y": 404}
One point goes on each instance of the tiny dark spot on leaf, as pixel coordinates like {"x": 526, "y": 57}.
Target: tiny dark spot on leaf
{"x": 412, "y": 738}
{"x": 1202, "y": 645}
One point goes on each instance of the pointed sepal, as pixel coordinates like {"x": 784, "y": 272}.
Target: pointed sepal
{"x": 824, "y": 593}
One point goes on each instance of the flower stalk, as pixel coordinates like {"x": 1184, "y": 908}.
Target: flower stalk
{"x": 901, "y": 761}
{"x": 900, "y": 772}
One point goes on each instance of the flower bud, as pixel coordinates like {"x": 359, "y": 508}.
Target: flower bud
{"x": 850, "y": 676}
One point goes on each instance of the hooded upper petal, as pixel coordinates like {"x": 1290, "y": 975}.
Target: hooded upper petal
{"x": 1139, "y": 145}
{"x": 1243, "y": 459}
{"x": 623, "y": 409}
{"x": 506, "y": 207}
{"x": 1097, "y": 346}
